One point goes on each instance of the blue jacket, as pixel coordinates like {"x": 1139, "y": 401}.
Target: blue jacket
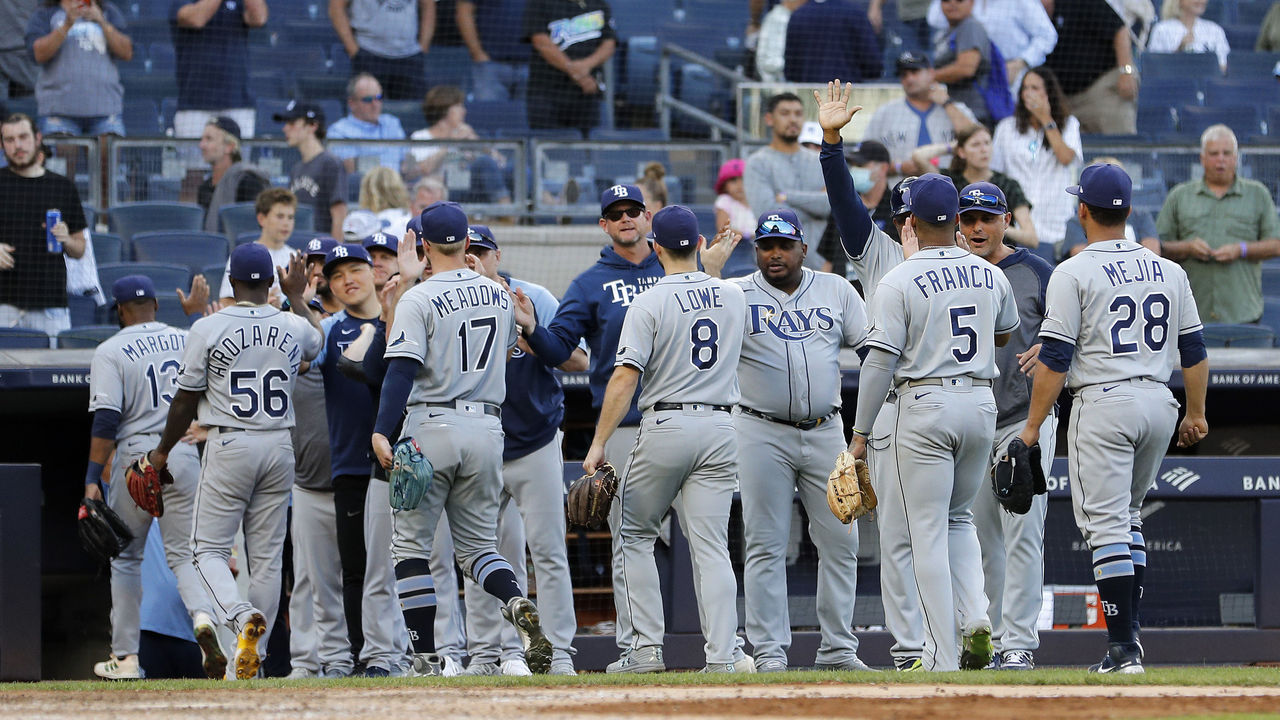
{"x": 348, "y": 403}
{"x": 534, "y": 407}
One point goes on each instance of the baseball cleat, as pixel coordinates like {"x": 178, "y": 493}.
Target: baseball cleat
{"x": 516, "y": 667}
{"x": 426, "y": 665}
{"x": 375, "y": 671}
{"x": 247, "y": 658}
{"x": 522, "y": 613}
{"x": 1121, "y": 659}
{"x": 301, "y": 673}
{"x": 646, "y": 659}
{"x": 744, "y": 665}
{"x": 450, "y": 667}
{"x": 563, "y": 667}
{"x": 853, "y": 664}
{"x": 1017, "y": 660}
{"x": 977, "y": 649}
{"x": 906, "y": 663}
{"x": 477, "y": 669}
{"x": 114, "y": 668}
{"x": 771, "y": 666}
{"x": 213, "y": 659}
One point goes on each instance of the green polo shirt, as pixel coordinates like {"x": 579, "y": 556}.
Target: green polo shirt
{"x": 1225, "y": 292}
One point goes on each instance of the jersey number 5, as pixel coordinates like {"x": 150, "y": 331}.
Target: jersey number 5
{"x": 1155, "y": 323}
{"x": 248, "y": 395}
{"x": 964, "y": 332}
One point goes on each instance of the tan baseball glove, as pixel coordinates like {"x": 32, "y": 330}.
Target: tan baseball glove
{"x": 590, "y": 497}
{"x": 849, "y": 491}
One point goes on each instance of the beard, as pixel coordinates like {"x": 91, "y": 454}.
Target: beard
{"x": 14, "y": 164}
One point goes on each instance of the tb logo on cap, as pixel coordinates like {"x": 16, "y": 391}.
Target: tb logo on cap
{"x": 619, "y": 191}
{"x": 340, "y": 251}
{"x": 775, "y": 217}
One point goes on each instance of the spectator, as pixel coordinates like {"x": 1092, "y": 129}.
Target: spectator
{"x": 1094, "y": 62}
{"x": 276, "y": 208}
{"x": 869, "y": 164}
{"x": 1140, "y": 227}
{"x": 828, "y": 39}
{"x": 1020, "y": 29}
{"x": 446, "y": 114}
{"x": 571, "y": 39}
{"x": 17, "y": 68}
{"x": 654, "y": 187}
{"x": 82, "y": 272}
{"x": 731, "y": 198}
{"x": 230, "y": 179}
{"x": 1039, "y": 146}
{"x": 771, "y": 45}
{"x": 360, "y": 224}
{"x": 927, "y": 115}
{"x": 387, "y": 40}
{"x": 811, "y": 136}
{"x": 1269, "y": 35}
{"x": 782, "y": 174}
{"x": 912, "y": 14}
{"x": 78, "y": 88}
{"x": 426, "y": 191}
{"x": 33, "y": 281}
{"x": 1220, "y": 228}
{"x": 971, "y": 163}
{"x": 499, "y": 61}
{"x": 963, "y": 57}
{"x": 211, "y": 42}
{"x": 366, "y": 121}
{"x": 319, "y": 180}
{"x": 1138, "y": 15}
{"x": 1184, "y": 30}
{"x": 383, "y": 193}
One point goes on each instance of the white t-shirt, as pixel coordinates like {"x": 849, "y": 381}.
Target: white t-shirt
{"x": 740, "y": 216}
{"x": 1029, "y": 159}
{"x": 279, "y": 258}
{"x": 1206, "y": 36}
{"x": 422, "y": 153}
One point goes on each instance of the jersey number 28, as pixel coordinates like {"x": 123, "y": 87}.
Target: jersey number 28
{"x": 1154, "y": 312}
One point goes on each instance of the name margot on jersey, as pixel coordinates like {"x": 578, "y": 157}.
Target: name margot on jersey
{"x": 222, "y": 355}
{"x": 152, "y": 344}
{"x": 955, "y": 278}
{"x": 1147, "y": 271}
{"x": 456, "y": 299}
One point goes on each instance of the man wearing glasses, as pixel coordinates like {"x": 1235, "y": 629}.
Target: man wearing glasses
{"x": 366, "y": 121}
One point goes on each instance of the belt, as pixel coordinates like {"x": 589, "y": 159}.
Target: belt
{"x": 958, "y": 381}
{"x": 691, "y": 406}
{"x": 221, "y": 429}
{"x": 802, "y": 425}
{"x": 469, "y": 407}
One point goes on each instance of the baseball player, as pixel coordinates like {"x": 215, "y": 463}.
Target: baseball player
{"x": 872, "y": 253}
{"x": 238, "y": 372}
{"x": 1012, "y": 545}
{"x": 789, "y": 432}
{"x": 1113, "y": 313}
{"x": 383, "y": 248}
{"x": 684, "y": 336}
{"x": 454, "y": 389}
{"x": 936, "y": 320}
{"x": 130, "y": 387}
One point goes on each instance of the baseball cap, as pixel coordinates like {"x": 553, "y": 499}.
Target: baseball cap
{"x": 867, "y": 151}
{"x": 320, "y": 246}
{"x": 984, "y": 197}
{"x": 729, "y": 170}
{"x": 810, "y": 132}
{"x": 133, "y": 287}
{"x": 343, "y": 253}
{"x": 444, "y": 223}
{"x": 897, "y": 205}
{"x": 415, "y": 224}
{"x": 227, "y": 125}
{"x": 481, "y": 236}
{"x": 932, "y": 198}
{"x": 360, "y": 224}
{"x": 780, "y": 224}
{"x": 383, "y": 241}
{"x": 912, "y": 61}
{"x": 1103, "y": 185}
{"x": 295, "y": 110}
{"x": 618, "y": 193}
{"x": 251, "y": 262}
{"x": 676, "y": 227}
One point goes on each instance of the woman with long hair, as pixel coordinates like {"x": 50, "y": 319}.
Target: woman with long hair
{"x": 384, "y": 194}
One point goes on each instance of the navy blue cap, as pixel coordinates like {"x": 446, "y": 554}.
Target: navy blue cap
{"x": 382, "y": 240}
{"x": 781, "y": 223}
{"x": 444, "y": 223}
{"x": 320, "y": 246}
{"x": 295, "y": 110}
{"x": 482, "y": 236}
{"x": 1103, "y": 185}
{"x": 133, "y": 287}
{"x": 251, "y": 262}
{"x": 415, "y": 224}
{"x": 983, "y": 197}
{"x": 932, "y": 198}
{"x": 618, "y": 193}
{"x": 342, "y": 253}
{"x": 898, "y": 206}
{"x": 227, "y": 125}
{"x": 676, "y": 227}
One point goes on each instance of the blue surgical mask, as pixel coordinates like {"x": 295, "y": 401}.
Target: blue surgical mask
{"x": 862, "y": 181}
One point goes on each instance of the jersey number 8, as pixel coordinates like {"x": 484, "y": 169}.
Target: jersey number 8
{"x": 704, "y": 335}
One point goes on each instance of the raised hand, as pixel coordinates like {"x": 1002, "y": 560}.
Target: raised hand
{"x": 411, "y": 266}
{"x": 526, "y": 318}
{"x": 717, "y": 252}
{"x": 199, "y": 297}
{"x": 833, "y": 109}
{"x": 293, "y": 278}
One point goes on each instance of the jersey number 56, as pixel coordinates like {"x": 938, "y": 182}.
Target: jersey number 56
{"x": 249, "y": 395}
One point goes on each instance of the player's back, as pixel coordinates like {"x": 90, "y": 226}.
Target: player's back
{"x": 460, "y": 325}
{"x": 245, "y": 358}
{"x": 1123, "y": 307}
{"x": 940, "y": 310}
{"x": 694, "y": 325}
{"x": 133, "y": 372}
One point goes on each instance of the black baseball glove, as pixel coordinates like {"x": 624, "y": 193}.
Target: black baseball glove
{"x": 102, "y": 533}
{"x": 1018, "y": 477}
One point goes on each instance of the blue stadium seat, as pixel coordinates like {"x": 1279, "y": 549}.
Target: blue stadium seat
{"x": 1157, "y": 121}
{"x": 91, "y": 214}
{"x": 1169, "y": 92}
{"x": 22, "y": 339}
{"x": 1238, "y": 336}
{"x": 1150, "y": 197}
{"x": 626, "y": 135}
{"x": 1247, "y": 64}
{"x": 246, "y": 237}
{"x": 1271, "y": 314}
{"x": 447, "y": 66}
{"x": 640, "y": 71}
{"x": 321, "y": 86}
{"x": 166, "y": 277}
{"x": 196, "y": 250}
{"x": 1245, "y": 120}
{"x": 84, "y": 310}
{"x": 1246, "y": 91}
{"x": 213, "y": 276}
{"x": 487, "y": 117}
{"x": 107, "y": 248}
{"x": 161, "y": 59}
{"x": 1180, "y": 65}
{"x": 630, "y": 17}
{"x": 304, "y": 219}
{"x": 339, "y": 63}
{"x": 1220, "y": 11}
{"x": 238, "y": 219}
{"x": 127, "y": 219}
{"x": 1241, "y": 36}
{"x": 408, "y": 111}
{"x": 271, "y": 83}
{"x": 169, "y": 310}
{"x": 168, "y": 108}
{"x": 149, "y": 86}
{"x": 146, "y": 31}
{"x": 264, "y": 110}
{"x": 88, "y": 336}
{"x": 142, "y": 118}
{"x": 1271, "y": 280}
{"x": 1250, "y": 14}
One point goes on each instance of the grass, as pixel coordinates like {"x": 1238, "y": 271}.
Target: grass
{"x": 1176, "y": 676}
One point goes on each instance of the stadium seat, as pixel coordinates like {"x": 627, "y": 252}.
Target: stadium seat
{"x": 1180, "y": 65}
{"x": 627, "y": 135}
{"x": 322, "y": 86}
{"x": 91, "y": 214}
{"x": 22, "y": 338}
{"x": 1150, "y": 197}
{"x": 88, "y": 336}
{"x": 1271, "y": 280}
{"x": 304, "y": 218}
{"x": 1176, "y": 167}
{"x": 1238, "y": 336}
{"x": 487, "y": 117}
{"x": 339, "y": 63}
{"x": 213, "y": 276}
{"x": 107, "y": 248}
{"x": 238, "y": 219}
{"x": 128, "y": 219}
{"x": 196, "y": 250}
{"x": 627, "y": 16}
{"x": 161, "y": 59}
{"x": 165, "y": 277}
{"x": 1271, "y": 314}
{"x": 640, "y": 71}
{"x": 447, "y": 66}
{"x": 1246, "y": 64}
{"x": 245, "y": 238}
{"x": 168, "y": 108}
{"x": 1169, "y": 92}
{"x": 1157, "y": 120}
{"x": 1241, "y": 36}
{"x": 1250, "y": 14}
{"x": 265, "y": 109}
{"x": 409, "y": 112}
{"x": 142, "y": 118}
{"x": 1245, "y": 120}
{"x": 149, "y": 86}
{"x": 1221, "y": 92}
{"x": 84, "y": 310}
{"x": 169, "y": 310}
{"x": 271, "y": 83}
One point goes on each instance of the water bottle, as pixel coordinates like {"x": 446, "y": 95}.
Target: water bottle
{"x": 51, "y": 218}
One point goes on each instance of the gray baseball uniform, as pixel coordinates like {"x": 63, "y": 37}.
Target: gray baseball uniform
{"x": 684, "y": 335}
{"x": 133, "y": 373}
{"x": 244, "y": 360}
{"x": 789, "y": 433}
{"x": 939, "y": 312}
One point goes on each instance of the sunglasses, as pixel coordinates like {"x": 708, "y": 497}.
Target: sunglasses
{"x": 777, "y": 227}
{"x": 616, "y": 215}
{"x": 369, "y": 98}
{"x": 968, "y": 202}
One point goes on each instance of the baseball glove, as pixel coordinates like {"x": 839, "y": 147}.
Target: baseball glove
{"x": 849, "y": 491}
{"x": 102, "y": 533}
{"x": 410, "y": 475}
{"x": 1018, "y": 477}
{"x": 590, "y": 497}
{"x": 146, "y": 484}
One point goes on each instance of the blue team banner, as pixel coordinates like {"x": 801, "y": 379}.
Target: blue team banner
{"x": 1235, "y": 478}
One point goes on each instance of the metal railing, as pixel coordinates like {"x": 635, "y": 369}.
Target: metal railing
{"x": 668, "y": 102}
{"x": 79, "y": 159}
{"x": 569, "y": 176}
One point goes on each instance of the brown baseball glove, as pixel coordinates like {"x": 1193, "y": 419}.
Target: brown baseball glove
{"x": 146, "y": 484}
{"x": 849, "y": 491}
{"x": 590, "y": 497}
